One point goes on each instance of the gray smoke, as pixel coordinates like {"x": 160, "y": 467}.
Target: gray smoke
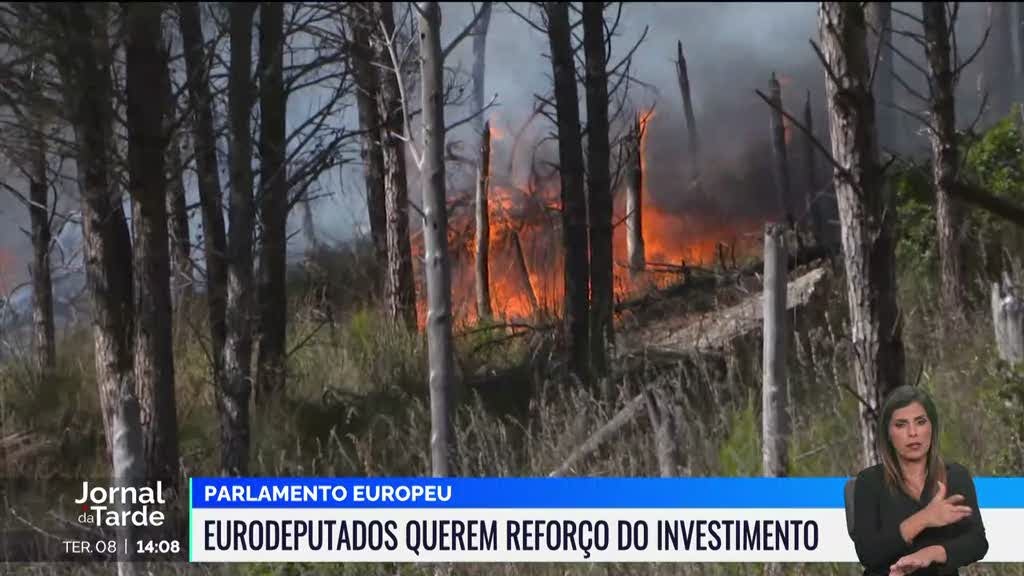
{"x": 731, "y": 49}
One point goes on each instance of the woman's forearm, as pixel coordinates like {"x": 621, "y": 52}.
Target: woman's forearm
{"x": 913, "y": 526}
{"x": 937, "y": 553}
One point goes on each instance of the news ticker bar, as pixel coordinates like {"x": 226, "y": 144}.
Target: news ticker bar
{"x": 454, "y": 520}
{"x": 549, "y": 492}
{"x": 546, "y": 520}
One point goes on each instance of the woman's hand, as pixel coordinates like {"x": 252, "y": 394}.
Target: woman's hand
{"x": 923, "y": 558}
{"x": 942, "y": 511}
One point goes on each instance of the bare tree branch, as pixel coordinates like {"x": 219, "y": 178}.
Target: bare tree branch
{"x": 407, "y": 138}
{"x": 474, "y": 115}
{"x": 629, "y": 54}
{"x": 529, "y": 21}
{"x": 825, "y": 152}
{"x": 824, "y": 62}
{"x": 977, "y": 51}
{"x": 908, "y": 15}
{"x": 464, "y": 33}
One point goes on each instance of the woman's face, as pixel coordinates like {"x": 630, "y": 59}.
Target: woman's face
{"x": 911, "y": 432}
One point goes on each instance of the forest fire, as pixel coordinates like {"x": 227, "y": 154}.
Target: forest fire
{"x": 525, "y": 249}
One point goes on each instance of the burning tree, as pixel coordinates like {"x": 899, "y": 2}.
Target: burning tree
{"x": 483, "y": 166}
{"x": 633, "y": 149}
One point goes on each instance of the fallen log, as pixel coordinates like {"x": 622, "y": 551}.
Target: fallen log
{"x": 697, "y": 279}
{"x": 623, "y": 417}
{"x": 737, "y": 321}
{"x": 714, "y": 330}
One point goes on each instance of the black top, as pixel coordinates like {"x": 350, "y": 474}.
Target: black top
{"x": 879, "y": 510}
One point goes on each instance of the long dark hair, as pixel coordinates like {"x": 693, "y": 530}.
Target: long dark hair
{"x": 902, "y": 397}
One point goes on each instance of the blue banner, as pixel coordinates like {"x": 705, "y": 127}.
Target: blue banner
{"x": 550, "y": 492}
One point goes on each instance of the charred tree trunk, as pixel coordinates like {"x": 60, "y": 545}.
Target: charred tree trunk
{"x": 944, "y": 158}
{"x": 154, "y": 360}
{"x": 1018, "y": 22}
{"x": 234, "y": 398}
{"x": 440, "y": 349}
{"x": 85, "y": 68}
{"x": 210, "y": 195}
{"x": 400, "y": 290}
{"x": 273, "y": 301}
{"x": 599, "y": 186}
{"x": 866, "y": 210}
{"x": 691, "y": 123}
{"x": 181, "y": 241}
{"x": 998, "y": 61}
{"x": 483, "y": 227}
{"x": 483, "y": 171}
{"x": 774, "y": 393}
{"x": 879, "y": 16}
{"x": 479, "y": 63}
{"x": 308, "y": 228}
{"x": 635, "y": 252}
{"x": 84, "y": 61}
{"x": 779, "y": 155}
{"x": 363, "y": 20}
{"x": 43, "y": 334}
{"x": 177, "y": 207}
{"x": 815, "y": 201}
{"x": 574, "y": 206}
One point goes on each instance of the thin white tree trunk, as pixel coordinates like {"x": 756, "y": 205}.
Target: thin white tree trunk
{"x": 483, "y": 169}
{"x": 1008, "y": 321}
{"x": 779, "y": 155}
{"x": 440, "y": 353}
{"x": 774, "y": 409}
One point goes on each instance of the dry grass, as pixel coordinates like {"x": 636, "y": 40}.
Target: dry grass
{"x": 357, "y": 406}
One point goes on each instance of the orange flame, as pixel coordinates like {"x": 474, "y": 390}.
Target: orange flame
{"x": 497, "y": 132}
{"x": 531, "y": 212}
